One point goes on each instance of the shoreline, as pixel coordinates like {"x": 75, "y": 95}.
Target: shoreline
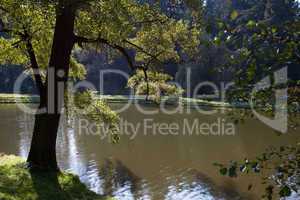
{"x": 115, "y": 99}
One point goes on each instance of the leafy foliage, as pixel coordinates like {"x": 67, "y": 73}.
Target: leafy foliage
{"x": 21, "y": 18}
{"x": 281, "y": 166}
{"x": 96, "y": 110}
{"x": 154, "y": 84}
{"x": 260, "y": 38}
{"x": 263, "y": 37}
{"x": 125, "y": 24}
{"x": 129, "y": 28}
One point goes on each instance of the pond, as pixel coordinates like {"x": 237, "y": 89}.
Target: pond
{"x": 149, "y": 162}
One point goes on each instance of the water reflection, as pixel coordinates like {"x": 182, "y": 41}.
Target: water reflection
{"x": 25, "y": 125}
{"x": 117, "y": 179}
{"x": 149, "y": 167}
{"x": 112, "y": 177}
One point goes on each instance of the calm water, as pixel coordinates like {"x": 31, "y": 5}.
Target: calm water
{"x": 151, "y": 166}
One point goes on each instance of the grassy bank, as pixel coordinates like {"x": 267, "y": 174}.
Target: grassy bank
{"x": 14, "y": 98}
{"x": 17, "y": 183}
{"x": 18, "y": 98}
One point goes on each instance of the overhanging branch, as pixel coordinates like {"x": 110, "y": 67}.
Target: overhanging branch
{"x": 143, "y": 51}
{"x": 121, "y": 49}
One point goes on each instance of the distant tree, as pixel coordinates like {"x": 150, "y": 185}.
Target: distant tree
{"x": 153, "y": 85}
{"x": 215, "y": 11}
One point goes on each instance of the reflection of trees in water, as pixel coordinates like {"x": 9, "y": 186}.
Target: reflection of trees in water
{"x": 116, "y": 179}
{"x": 71, "y": 154}
{"x": 227, "y": 191}
{"x": 116, "y": 176}
{"x": 25, "y": 124}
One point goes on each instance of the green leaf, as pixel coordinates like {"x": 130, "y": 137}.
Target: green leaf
{"x": 251, "y": 24}
{"x": 232, "y": 171}
{"x": 285, "y": 192}
{"x": 223, "y": 171}
{"x": 217, "y": 165}
{"x": 234, "y": 15}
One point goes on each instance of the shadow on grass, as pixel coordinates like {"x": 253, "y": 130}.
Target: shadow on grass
{"x": 18, "y": 183}
{"x": 60, "y": 186}
{"x": 47, "y": 186}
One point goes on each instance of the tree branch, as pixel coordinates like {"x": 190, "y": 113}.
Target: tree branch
{"x": 6, "y": 30}
{"x": 1, "y": 25}
{"x": 121, "y": 49}
{"x": 130, "y": 60}
{"x": 34, "y": 65}
{"x": 3, "y": 9}
{"x": 149, "y": 22}
{"x": 25, "y": 37}
{"x": 143, "y": 51}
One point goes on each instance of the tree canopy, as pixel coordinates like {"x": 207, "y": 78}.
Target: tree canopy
{"x": 122, "y": 25}
{"x": 42, "y": 35}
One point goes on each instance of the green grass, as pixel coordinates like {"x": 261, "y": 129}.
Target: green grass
{"x": 18, "y": 98}
{"x": 172, "y": 101}
{"x": 17, "y": 183}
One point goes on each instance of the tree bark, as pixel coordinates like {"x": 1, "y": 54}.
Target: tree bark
{"x": 42, "y": 155}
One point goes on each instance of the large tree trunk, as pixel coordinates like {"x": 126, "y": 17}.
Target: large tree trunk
{"x": 42, "y": 155}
